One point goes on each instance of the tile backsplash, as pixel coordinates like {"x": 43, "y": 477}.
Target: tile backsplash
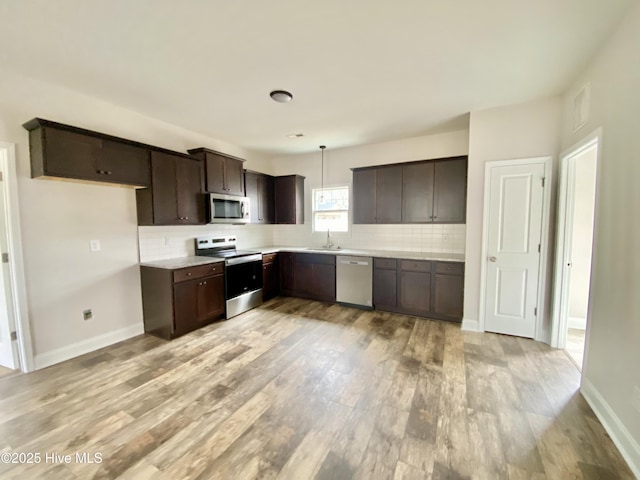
{"x": 158, "y": 243}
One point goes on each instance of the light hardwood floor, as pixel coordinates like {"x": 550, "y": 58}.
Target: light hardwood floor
{"x": 575, "y": 345}
{"x": 301, "y": 390}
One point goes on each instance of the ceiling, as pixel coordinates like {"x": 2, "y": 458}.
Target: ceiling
{"x": 360, "y": 71}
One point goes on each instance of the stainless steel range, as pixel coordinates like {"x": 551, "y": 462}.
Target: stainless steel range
{"x": 243, "y": 272}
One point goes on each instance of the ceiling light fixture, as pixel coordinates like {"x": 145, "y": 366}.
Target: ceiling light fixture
{"x": 281, "y": 96}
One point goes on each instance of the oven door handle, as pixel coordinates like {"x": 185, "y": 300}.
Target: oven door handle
{"x": 245, "y": 259}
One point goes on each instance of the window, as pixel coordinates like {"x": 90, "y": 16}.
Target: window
{"x": 331, "y": 209}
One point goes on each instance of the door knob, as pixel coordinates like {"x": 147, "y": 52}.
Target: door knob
{"x": 492, "y": 259}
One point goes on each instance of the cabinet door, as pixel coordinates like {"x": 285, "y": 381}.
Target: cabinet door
{"x": 72, "y": 155}
{"x": 123, "y": 163}
{"x": 233, "y": 177}
{"x": 252, "y": 191}
{"x": 270, "y": 279}
{"x": 286, "y": 273}
{"x": 265, "y": 194}
{"x": 364, "y": 196}
{"x": 450, "y": 191}
{"x": 417, "y": 193}
{"x": 285, "y": 203}
{"x": 385, "y": 288}
{"x": 324, "y": 282}
{"x": 185, "y": 297}
{"x": 210, "y": 298}
{"x": 389, "y": 195}
{"x": 415, "y": 292}
{"x": 165, "y": 189}
{"x": 448, "y": 296}
{"x": 215, "y": 173}
{"x": 190, "y": 199}
{"x": 304, "y": 279}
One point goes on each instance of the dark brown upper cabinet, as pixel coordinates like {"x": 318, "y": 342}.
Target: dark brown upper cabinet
{"x": 64, "y": 151}
{"x": 260, "y": 190}
{"x": 289, "y": 199}
{"x": 176, "y": 193}
{"x": 223, "y": 173}
{"x": 450, "y": 191}
{"x": 433, "y": 191}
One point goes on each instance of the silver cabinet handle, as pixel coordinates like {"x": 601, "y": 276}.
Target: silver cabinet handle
{"x": 492, "y": 259}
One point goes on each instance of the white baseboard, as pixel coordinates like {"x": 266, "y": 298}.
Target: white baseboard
{"x": 85, "y": 346}
{"x": 577, "y": 322}
{"x": 628, "y": 446}
{"x": 470, "y": 325}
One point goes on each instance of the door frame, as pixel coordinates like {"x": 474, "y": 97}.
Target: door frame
{"x": 559, "y": 323}
{"x": 16, "y": 265}
{"x": 542, "y": 266}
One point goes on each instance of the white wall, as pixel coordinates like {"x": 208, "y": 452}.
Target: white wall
{"x": 59, "y": 218}
{"x": 505, "y": 133}
{"x": 338, "y": 165}
{"x": 613, "y": 353}
{"x": 582, "y": 237}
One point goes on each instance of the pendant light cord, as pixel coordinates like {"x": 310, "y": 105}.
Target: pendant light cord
{"x": 322, "y": 147}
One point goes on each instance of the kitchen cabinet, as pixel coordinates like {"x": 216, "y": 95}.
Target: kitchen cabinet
{"x": 389, "y": 194}
{"x": 364, "y": 196}
{"x": 178, "y": 301}
{"x": 175, "y": 196}
{"x": 315, "y": 276}
{"x": 223, "y": 173}
{"x": 64, "y": 151}
{"x": 260, "y": 190}
{"x": 270, "y": 276}
{"x": 419, "y": 287}
{"x": 432, "y": 191}
{"x": 289, "y": 199}
{"x": 308, "y": 275}
{"x": 450, "y": 191}
{"x": 287, "y": 283}
{"x": 385, "y": 281}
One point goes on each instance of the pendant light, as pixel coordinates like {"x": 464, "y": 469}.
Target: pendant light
{"x": 322, "y": 147}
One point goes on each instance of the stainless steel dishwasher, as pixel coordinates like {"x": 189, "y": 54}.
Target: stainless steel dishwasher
{"x": 354, "y": 280}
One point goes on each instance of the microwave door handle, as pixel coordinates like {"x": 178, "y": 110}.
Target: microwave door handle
{"x": 242, "y": 209}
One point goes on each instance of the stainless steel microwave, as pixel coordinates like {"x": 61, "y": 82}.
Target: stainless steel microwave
{"x": 228, "y": 209}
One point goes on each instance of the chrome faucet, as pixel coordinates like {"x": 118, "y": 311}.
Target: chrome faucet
{"x": 329, "y": 243}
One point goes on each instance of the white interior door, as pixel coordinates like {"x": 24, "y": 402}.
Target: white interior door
{"x": 8, "y": 346}
{"x": 513, "y": 248}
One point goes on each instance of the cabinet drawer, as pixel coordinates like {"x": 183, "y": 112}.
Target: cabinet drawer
{"x": 386, "y": 263}
{"x": 269, "y": 257}
{"x": 452, "y": 268}
{"x": 198, "y": 272}
{"x": 415, "y": 266}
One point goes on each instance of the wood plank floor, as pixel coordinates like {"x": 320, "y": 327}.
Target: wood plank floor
{"x": 301, "y": 390}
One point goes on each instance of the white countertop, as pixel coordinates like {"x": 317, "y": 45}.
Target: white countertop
{"x": 443, "y": 257}
{"x": 182, "y": 262}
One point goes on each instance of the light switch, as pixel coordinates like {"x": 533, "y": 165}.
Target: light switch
{"x": 94, "y": 245}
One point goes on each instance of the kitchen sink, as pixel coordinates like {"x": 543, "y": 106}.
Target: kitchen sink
{"x": 332, "y": 249}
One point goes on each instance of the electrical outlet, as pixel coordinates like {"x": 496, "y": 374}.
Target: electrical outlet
{"x": 445, "y": 237}
{"x": 167, "y": 241}
{"x": 87, "y": 314}
{"x": 94, "y": 245}
{"x": 636, "y": 398}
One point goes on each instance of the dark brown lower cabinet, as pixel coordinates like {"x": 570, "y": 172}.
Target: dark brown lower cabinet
{"x": 419, "y": 287}
{"x": 308, "y": 275}
{"x": 178, "y": 301}
{"x": 270, "y": 276}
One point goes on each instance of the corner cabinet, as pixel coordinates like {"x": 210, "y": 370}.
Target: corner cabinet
{"x": 64, "y": 151}
{"x": 178, "y": 301}
{"x": 423, "y": 288}
{"x": 430, "y": 191}
{"x": 223, "y": 173}
{"x": 289, "y": 199}
{"x": 260, "y": 190}
{"x": 175, "y": 196}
